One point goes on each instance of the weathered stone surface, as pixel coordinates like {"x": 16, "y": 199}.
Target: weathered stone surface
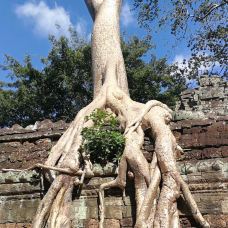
{"x": 126, "y": 222}
{"x": 19, "y": 211}
{"x": 200, "y": 127}
{"x": 113, "y": 212}
{"x": 45, "y": 124}
{"x": 217, "y": 221}
{"x": 6, "y": 189}
{"x": 209, "y": 99}
{"x": 91, "y": 223}
{"x": 184, "y": 115}
{"x": 16, "y": 225}
{"x": 129, "y": 211}
{"x": 112, "y": 223}
{"x": 19, "y": 177}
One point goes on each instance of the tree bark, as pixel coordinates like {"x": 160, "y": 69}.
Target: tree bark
{"x": 106, "y": 43}
{"x": 157, "y": 185}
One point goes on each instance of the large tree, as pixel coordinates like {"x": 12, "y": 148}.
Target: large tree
{"x": 64, "y": 85}
{"x": 58, "y": 91}
{"x": 203, "y": 24}
{"x": 157, "y": 184}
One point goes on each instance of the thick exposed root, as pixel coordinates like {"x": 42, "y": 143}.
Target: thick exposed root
{"x": 192, "y": 204}
{"x": 45, "y": 205}
{"x": 66, "y": 152}
{"x": 146, "y": 215}
{"x": 169, "y": 194}
{"x": 54, "y": 209}
{"x": 155, "y": 207}
{"x": 175, "y": 222}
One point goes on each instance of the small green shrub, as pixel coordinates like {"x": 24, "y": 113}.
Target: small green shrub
{"x": 104, "y": 141}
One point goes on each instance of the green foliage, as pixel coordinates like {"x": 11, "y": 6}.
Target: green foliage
{"x": 64, "y": 85}
{"x": 202, "y": 23}
{"x": 153, "y": 80}
{"x": 58, "y": 91}
{"x": 104, "y": 141}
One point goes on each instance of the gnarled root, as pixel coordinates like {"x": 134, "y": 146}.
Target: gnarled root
{"x": 155, "y": 207}
{"x": 54, "y": 209}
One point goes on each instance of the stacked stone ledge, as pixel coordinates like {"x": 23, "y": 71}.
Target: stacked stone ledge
{"x": 203, "y": 135}
{"x": 210, "y": 99}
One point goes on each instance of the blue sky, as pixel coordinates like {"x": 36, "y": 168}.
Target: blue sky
{"x": 26, "y": 24}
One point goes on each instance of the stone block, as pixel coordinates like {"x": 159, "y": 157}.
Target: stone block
{"x": 204, "y": 81}
{"x": 211, "y": 152}
{"x": 129, "y": 211}
{"x": 18, "y": 210}
{"x": 110, "y": 169}
{"x": 224, "y": 151}
{"x": 217, "y": 221}
{"x": 194, "y": 177}
{"x": 79, "y": 210}
{"x": 98, "y": 170}
{"x": 112, "y": 223}
{"x": 213, "y": 176}
{"x": 225, "y": 205}
{"x": 97, "y": 181}
{"x": 113, "y": 201}
{"x": 19, "y": 188}
{"x": 184, "y": 115}
{"x": 127, "y": 201}
{"x": 16, "y": 225}
{"x": 211, "y": 93}
{"x": 113, "y": 212}
{"x": 91, "y": 202}
{"x": 126, "y": 222}
{"x": 92, "y": 212}
{"x": 91, "y": 223}
{"x": 194, "y": 154}
{"x": 45, "y": 124}
{"x": 207, "y": 207}
{"x": 21, "y": 177}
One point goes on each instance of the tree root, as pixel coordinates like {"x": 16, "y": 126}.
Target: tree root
{"x": 157, "y": 185}
{"x": 155, "y": 206}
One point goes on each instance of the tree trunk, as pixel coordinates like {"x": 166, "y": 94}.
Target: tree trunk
{"x": 158, "y": 184}
{"x": 106, "y": 42}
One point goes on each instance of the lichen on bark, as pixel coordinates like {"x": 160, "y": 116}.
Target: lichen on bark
{"x": 157, "y": 184}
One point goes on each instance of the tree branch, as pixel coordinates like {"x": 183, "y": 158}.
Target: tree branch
{"x": 214, "y": 7}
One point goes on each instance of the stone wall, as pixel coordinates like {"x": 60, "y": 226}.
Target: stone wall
{"x": 210, "y": 99}
{"x": 204, "y": 166}
{"x": 20, "y": 148}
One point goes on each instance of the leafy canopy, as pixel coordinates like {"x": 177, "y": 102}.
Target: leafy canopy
{"x": 64, "y": 85}
{"x": 150, "y": 80}
{"x": 58, "y": 91}
{"x": 202, "y": 23}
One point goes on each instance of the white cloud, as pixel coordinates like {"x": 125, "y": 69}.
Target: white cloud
{"x": 55, "y": 21}
{"x": 81, "y": 29}
{"x": 127, "y": 16}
